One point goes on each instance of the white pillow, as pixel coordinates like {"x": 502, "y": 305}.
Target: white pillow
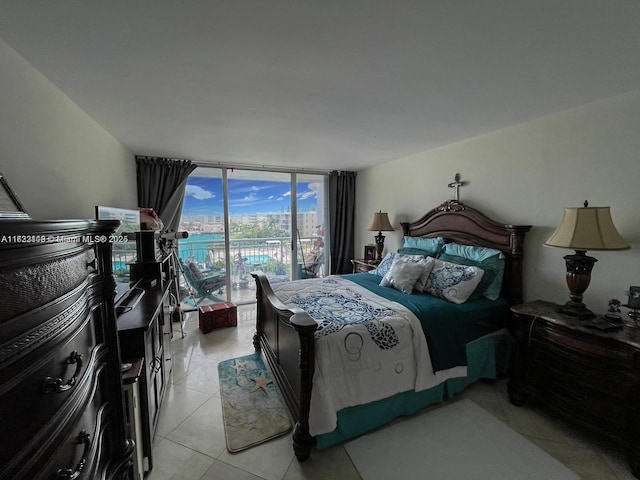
{"x": 453, "y": 282}
{"x": 422, "y": 260}
{"x": 421, "y": 283}
{"x": 403, "y": 276}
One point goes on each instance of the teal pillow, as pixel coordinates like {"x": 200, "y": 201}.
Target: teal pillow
{"x": 415, "y": 251}
{"x": 487, "y": 279}
{"x": 431, "y": 245}
{"x": 489, "y": 258}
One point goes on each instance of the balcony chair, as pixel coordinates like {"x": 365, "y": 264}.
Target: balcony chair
{"x": 202, "y": 284}
{"x": 311, "y": 267}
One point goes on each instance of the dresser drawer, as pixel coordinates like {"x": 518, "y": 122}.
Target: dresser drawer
{"x": 55, "y": 443}
{"x": 579, "y": 405}
{"x": 48, "y": 388}
{"x": 82, "y": 450}
{"x": 581, "y": 372}
{"x": 37, "y": 284}
{"x": 613, "y": 353}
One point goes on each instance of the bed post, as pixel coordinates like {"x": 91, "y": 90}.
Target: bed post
{"x": 517, "y": 235}
{"x": 306, "y": 327}
{"x": 259, "y": 314}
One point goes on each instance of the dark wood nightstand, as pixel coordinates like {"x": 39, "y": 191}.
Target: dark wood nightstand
{"x": 361, "y": 266}
{"x": 587, "y": 376}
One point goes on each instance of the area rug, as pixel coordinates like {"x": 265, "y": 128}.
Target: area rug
{"x": 457, "y": 441}
{"x": 251, "y": 409}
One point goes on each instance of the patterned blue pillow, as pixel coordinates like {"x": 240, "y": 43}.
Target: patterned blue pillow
{"x": 385, "y": 265}
{"x": 489, "y": 259}
{"x": 389, "y": 258}
{"x": 453, "y": 282}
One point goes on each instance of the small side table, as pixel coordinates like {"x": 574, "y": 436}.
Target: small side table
{"x": 584, "y": 375}
{"x": 362, "y": 266}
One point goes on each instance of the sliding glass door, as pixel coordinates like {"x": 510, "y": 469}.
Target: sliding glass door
{"x": 241, "y": 221}
{"x": 259, "y": 228}
{"x": 204, "y": 252}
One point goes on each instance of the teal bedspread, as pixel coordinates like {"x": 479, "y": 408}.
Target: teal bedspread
{"x": 448, "y": 327}
{"x": 488, "y": 358}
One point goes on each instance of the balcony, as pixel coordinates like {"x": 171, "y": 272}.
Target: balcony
{"x": 273, "y": 256}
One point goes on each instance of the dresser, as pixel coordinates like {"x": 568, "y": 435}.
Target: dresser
{"x": 586, "y": 376}
{"x": 61, "y": 402}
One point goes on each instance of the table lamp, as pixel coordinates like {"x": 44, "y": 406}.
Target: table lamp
{"x": 380, "y": 223}
{"x": 584, "y": 228}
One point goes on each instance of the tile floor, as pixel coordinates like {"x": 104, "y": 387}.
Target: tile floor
{"x": 190, "y": 445}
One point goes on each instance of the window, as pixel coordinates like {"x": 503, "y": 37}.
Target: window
{"x": 241, "y": 221}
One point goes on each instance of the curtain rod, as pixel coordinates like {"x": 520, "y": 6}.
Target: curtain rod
{"x": 241, "y": 166}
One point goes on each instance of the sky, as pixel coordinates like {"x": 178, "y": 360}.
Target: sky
{"x": 204, "y": 196}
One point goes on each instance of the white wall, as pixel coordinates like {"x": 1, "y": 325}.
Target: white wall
{"x": 57, "y": 159}
{"x": 528, "y": 174}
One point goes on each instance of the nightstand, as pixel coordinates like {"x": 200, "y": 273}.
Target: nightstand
{"x": 586, "y": 376}
{"x": 362, "y": 266}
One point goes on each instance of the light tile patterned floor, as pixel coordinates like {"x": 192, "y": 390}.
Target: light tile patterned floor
{"x": 190, "y": 445}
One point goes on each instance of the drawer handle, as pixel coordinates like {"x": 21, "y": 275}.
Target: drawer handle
{"x": 56, "y": 384}
{"x": 93, "y": 263}
{"x": 69, "y": 474}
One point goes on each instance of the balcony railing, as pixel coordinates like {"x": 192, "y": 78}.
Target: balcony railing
{"x": 273, "y": 256}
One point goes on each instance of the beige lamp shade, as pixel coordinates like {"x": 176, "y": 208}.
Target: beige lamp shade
{"x": 380, "y": 223}
{"x": 587, "y": 228}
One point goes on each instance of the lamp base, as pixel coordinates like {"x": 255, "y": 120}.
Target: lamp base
{"x": 379, "y": 246}
{"x": 578, "y": 278}
{"x": 576, "y": 309}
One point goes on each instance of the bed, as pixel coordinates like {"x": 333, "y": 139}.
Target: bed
{"x": 294, "y": 344}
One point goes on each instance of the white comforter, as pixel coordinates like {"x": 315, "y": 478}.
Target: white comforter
{"x": 367, "y": 347}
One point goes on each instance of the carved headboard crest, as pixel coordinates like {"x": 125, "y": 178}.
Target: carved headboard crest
{"x": 451, "y": 205}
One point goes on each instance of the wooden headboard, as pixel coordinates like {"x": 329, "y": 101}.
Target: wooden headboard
{"x": 457, "y": 222}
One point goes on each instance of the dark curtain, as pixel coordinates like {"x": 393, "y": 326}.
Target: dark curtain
{"x": 161, "y": 186}
{"x": 342, "y": 206}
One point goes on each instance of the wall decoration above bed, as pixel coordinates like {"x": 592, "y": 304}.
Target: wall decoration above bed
{"x": 401, "y": 338}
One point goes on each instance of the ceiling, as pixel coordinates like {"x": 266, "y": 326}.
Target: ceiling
{"x": 331, "y": 84}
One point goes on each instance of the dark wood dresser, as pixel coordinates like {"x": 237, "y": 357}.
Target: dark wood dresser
{"x": 587, "y": 376}
{"x": 61, "y": 401}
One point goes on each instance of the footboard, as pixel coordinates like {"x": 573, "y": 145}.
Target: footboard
{"x": 286, "y": 338}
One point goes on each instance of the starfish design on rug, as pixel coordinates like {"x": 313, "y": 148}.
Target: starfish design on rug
{"x": 261, "y": 383}
{"x": 239, "y": 366}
